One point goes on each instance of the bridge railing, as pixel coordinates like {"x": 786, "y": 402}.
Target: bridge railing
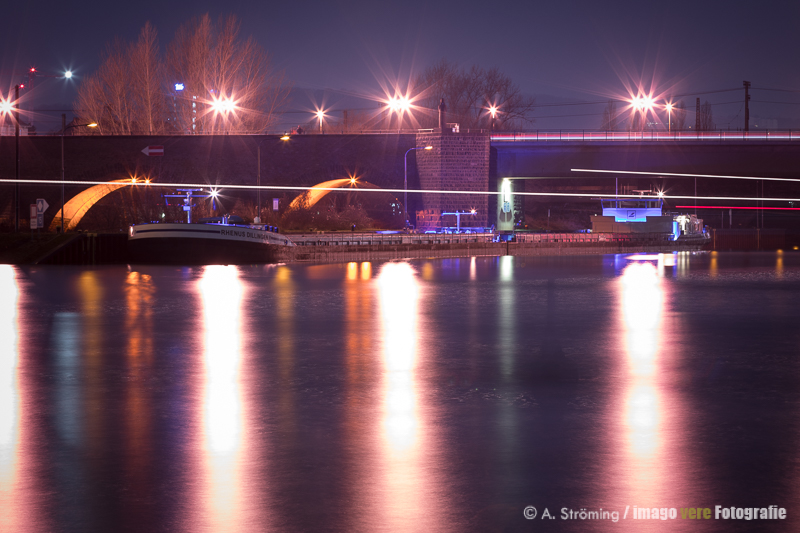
{"x": 544, "y": 238}
{"x": 709, "y": 136}
{"x": 377, "y": 239}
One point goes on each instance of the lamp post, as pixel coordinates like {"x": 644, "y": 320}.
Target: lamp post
{"x": 405, "y": 178}
{"x": 258, "y": 179}
{"x": 64, "y": 129}
{"x": 8, "y": 107}
{"x": 669, "y": 114}
{"x": 320, "y": 115}
{"x": 16, "y": 159}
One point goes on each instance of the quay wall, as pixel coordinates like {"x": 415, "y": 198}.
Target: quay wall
{"x": 95, "y": 249}
{"x": 335, "y": 254}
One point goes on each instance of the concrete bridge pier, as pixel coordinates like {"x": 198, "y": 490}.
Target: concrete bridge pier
{"x": 458, "y": 161}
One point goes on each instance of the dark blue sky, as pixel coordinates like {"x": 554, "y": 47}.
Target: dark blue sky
{"x": 557, "y": 51}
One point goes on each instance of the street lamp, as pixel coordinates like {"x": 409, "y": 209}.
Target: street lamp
{"x": 493, "y": 111}
{"x": 8, "y": 107}
{"x": 320, "y": 115}
{"x": 64, "y": 129}
{"x": 257, "y": 219}
{"x": 669, "y": 114}
{"x": 405, "y": 178}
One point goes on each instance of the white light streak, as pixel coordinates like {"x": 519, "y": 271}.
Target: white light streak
{"x": 421, "y": 191}
{"x": 673, "y": 174}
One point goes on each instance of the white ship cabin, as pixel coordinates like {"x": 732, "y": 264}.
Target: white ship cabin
{"x": 632, "y": 209}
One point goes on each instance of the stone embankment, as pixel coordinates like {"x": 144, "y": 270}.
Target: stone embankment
{"x": 95, "y": 249}
{"x": 331, "y": 248}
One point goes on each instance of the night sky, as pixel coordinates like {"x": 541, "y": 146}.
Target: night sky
{"x": 559, "y": 52}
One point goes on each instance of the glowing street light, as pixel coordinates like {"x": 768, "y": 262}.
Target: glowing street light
{"x": 68, "y": 74}
{"x": 320, "y": 115}
{"x": 493, "y": 112}
{"x": 64, "y": 129}
{"x": 405, "y": 178}
{"x": 643, "y": 104}
{"x": 223, "y": 105}
{"x": 668, "y": 107}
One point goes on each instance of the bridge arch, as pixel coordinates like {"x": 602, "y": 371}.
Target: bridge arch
{"x": 78, "y": 205}
{"x": 320, "y": 190}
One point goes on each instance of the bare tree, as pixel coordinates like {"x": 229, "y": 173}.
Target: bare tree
{"x": 679, "y": 112}
{"x": 469, "y": 93}
{"x": 705, "y": 118}
{"x": 104, "y": 97}
{"x": 609, "y": 117}
{"x": 147, "y": 78}
{"x": 215, "y": 65}
{"x": 228, "y": 85}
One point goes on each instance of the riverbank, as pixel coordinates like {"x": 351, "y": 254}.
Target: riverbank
{"x": 96, "y": 249}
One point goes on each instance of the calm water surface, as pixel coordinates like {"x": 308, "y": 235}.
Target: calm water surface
{"x": 441, "y": 395}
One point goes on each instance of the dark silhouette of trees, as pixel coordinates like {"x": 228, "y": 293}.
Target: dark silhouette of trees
{"x": 610, "y": 117}
{"x": 468, "y": 94}
{"x": 705, "y": 119}
{"x": 679, "y": 116}
{"x": 226, "y": 83}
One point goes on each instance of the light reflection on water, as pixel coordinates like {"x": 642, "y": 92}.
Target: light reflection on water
{"x": 392, "y": 396}
{"x": 9, "y": 389}
{"x": 222, "y": 294}
{"x": 409, "y": 497}
{"x": 652, "y": 411}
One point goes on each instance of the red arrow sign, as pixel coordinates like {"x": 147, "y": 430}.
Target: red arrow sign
{"x": 153, "y": 150}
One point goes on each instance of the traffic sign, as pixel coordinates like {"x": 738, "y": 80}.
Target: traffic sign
{"x": 34, "y": 217}
{"x": 41, "y": 205}
{"x": 153, "y": 150}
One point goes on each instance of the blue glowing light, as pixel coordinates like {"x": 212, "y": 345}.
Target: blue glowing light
{"x": 179, "y": 87}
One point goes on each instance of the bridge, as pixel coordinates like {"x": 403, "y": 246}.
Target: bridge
{"x": 653, "y": 135}
{"x": 467, "y": 161}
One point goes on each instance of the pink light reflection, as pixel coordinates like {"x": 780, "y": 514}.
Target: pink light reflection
{"x": 222, "y": 423}
{"x": 407, "y": 487}
{"x": 9, "y": 391}
{"x": 649, "y": 411}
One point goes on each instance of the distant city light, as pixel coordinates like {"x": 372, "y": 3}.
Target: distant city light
{"x": 429, "y": 148}
{"x": 285, "y": 137}
{"x": 68, "y": 74}
{"x": 179, "y": 87}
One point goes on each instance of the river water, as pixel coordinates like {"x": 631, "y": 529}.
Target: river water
{"x": 427, "y": 395}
